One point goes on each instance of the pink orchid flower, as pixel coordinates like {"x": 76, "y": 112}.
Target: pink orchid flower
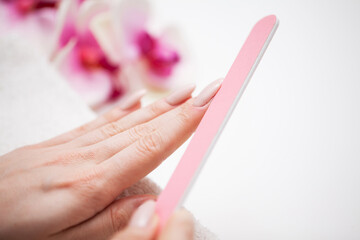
{"x": 146, "y": 58}
{"x": 23, "y": 7}
{"x": 84, "y": 63}
{"x": 20, "y": 8}
{"x": 33, "y": 19}
{"x": 160, "y": 58}
{"x": 109, "y": 51}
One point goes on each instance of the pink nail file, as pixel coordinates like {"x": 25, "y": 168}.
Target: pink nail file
{"x": 215, "y": 118}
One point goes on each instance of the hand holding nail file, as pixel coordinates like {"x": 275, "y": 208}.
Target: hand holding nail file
{"x": 216, "y": 117}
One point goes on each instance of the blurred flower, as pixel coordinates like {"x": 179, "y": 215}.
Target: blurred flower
{"x": 154, "y": 58}
{"x": 104, "y": 48}
{"x": 84, "y": 63}
{"x": 90, "y": 72}
{"x": 23, "y": 7}
{"x": 110, "y": 51}
{"x": 160, "y": 58}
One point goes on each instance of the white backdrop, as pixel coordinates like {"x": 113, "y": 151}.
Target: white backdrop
{"x": 287, "y": 165}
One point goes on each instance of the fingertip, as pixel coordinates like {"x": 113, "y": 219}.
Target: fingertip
{"x": 183, "y": 218}
{"x": 180, "y": 95}
{"x": 143, "y": 215}
{"x": 132, "y": 100}
{"x": 143, "y": 223}
{"x": 179, "y": 226}
{"x": 208, "y": 93}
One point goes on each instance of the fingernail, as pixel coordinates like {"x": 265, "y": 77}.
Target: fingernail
{"x": 142, "y": 216}
{"x": 180, "y": 95}
{"x": 132, "y": 99}
{"x": 207, "y": 93}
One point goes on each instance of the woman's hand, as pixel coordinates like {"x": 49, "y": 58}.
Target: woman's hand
{"x": 67, "y": 187}
{"x": 144, "y": 226}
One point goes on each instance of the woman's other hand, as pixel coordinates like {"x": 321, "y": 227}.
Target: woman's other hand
{"x": 144, "y": 225}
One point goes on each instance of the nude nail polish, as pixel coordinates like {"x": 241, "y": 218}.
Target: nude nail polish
{"x": 207, "y": 93}
{"x": 131, "y": 100}
{"x": 180, "y": 95}
{"x": 142, "y": 216}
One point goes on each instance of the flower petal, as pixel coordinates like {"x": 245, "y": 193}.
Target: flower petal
{"x": 130, "y": 18}
{"x": 94, "y": 86}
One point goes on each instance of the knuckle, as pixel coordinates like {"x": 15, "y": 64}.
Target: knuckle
{"x": 111, "y": 129}
{"x": 138, "y": 131}
{"x": 70, "y": 157}
{"x": 64, "y": 159}
{"x": 150, "y": 144}
{"x": 86, "y": 154}
{"x": 184, "y": 115}
{"x": 118, "y": 217}
{"x": 85, "y": 184}
{"x": 89, "y": 183}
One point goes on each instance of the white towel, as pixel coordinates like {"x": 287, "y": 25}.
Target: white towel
{"x": 35, "y": 103}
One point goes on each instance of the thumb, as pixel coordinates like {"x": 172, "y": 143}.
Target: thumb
{"x": 143, "y": 224}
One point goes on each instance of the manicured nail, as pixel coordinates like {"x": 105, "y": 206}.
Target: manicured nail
{"x": 142, "y": 216}
{"x": 180, "y": 95}
{"x": 132, "y": 99}
{"x": 207, "y": 94}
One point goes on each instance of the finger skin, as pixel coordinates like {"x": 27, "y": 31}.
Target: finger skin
{"x": 103, "y": 225}
{"x": 108, "y": 117}
{"x": 179, "y": 227}
{"x": 137, "y": 233}
{"x": 149, "y": 151}
{"x": 110, "y": 146}
{"x": 135, "y": 118}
